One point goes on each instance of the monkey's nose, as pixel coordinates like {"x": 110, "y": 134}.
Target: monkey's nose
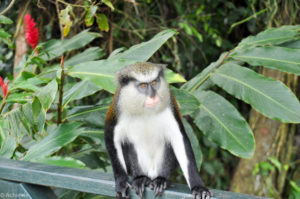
{"x": 152, "y": 102}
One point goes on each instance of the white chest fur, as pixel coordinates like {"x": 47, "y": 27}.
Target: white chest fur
{"x": 148, "y": 134}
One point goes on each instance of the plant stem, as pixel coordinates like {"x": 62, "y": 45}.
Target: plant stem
{"x": 208, "y": 74}
{"x": 61, "y": 92}
{"x": 3, "y": 104}
{"x": 8, "y": 7}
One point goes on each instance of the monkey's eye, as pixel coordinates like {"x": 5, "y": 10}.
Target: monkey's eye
{"x": 143, "y": 85}
{"x": 154, "y": 82}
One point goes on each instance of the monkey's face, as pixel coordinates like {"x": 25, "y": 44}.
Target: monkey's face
{"x": 144, "y": 93}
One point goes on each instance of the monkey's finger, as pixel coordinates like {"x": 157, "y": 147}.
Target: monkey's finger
{"x": 124, "y": 193}
{"x": 128, "y": 185}
{"x": 136, "y": 190}
{"x": 208, "y": 195}
{"x": 140, "y": 193}
{"x": 151, "y": 186}
{"x": 161, "y": 189}
{"x": 142, "y": 188}
{"x": 156, "y": 188}
{"x": 165, "y": 185}
{"x": 118, "y": 195}
{"x": 196, "y": 195}
{"x": 148, "y": 181}
{"x": 205, "y": 195}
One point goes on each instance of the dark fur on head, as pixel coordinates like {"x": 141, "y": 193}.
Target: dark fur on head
{"x": 125, "y": 75}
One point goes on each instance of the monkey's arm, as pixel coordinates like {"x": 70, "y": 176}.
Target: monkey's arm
{"x": 121, "y": 177}
{"x": 185, "y": 156}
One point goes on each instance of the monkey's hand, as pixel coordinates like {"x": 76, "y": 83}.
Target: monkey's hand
{"x": 158, "y": 185}
{"x": 200, "y": 192}
{"x": 122, "y": 189}
{"x": 139, "y": 184}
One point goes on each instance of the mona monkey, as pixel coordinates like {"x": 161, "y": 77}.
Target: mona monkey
{"x": 145, "y": 136}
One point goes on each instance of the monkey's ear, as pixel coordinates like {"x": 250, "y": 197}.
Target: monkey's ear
{"x": 124, "y": 80}
{"x": 163, "y": 66}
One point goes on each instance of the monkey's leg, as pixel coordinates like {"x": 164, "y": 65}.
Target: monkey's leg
{"x": 120, "y": 174}
{"x": 140, "y": 181}
{"x": 139, "y": 184}
{"x": 185, "y": 156}
{"x": 159, "y": 184}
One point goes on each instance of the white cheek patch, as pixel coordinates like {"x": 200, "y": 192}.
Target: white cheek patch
{"x": 130, "y": 100}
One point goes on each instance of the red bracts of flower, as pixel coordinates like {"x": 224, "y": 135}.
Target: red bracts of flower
{"x": 31, "y": 32}
{"x": 4, "y": 87}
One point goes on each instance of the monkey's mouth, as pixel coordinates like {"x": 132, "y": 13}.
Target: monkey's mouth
{"x": 152, "y": 102}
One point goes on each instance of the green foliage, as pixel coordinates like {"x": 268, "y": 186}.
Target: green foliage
{"x": 101, "y": 72}
{"x": 295, "y": 190}
{"x": 29, "y": 129}
{"x": 55, "y": 48}
{"x": 59, "y": 137}
{"x": 268, "y": 96}
{"x": 211, "y": 113}
{"x": 29, "y": 132}
{"x": 101, "y": 18}
{"x": 65, "y": 20}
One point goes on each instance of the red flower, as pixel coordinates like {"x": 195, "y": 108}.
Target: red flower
{"x": 31, "y": 32}
{"x": 4, "y": 87}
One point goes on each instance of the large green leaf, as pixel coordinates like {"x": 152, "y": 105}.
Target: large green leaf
{"x": 280, "y": 58}
{"x": 95, "y": 138}
{"x": 56, "y": 48}
{"x": 272, "y": 36}
{"x": 223, "y": 124}
{"x": 79, "y": 90}
{"x": 8, "y": 147}
{"x": 19, "y": 97}
{"x": 47, "y": 94}
{"x": 89, "y": 54}
{"x": 292, "y": 44}
{"x": 102, "y": 72}
{"x": 17, "y": 125}
{"x": 187, "y": 102}
{"x": 5, "y": 20}
{"x": 173, "y": 77}
{"x": 3, "y": 130}
{"x": 194, "y": 142}
{"x": 92, "y": 116}
{"x": 59, "y": 137}
{"x": 202, "y": 77}
{"x": 270, "y": 97}
{"x": 61, "y": 161}
{"x": 28, "y": 84}
{"x": 144, "y": 50}
{"x": 33, "y": 115}
{"x": 27, "y": 118}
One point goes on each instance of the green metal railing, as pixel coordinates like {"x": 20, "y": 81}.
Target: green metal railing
{"x": 20, "y": 179}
